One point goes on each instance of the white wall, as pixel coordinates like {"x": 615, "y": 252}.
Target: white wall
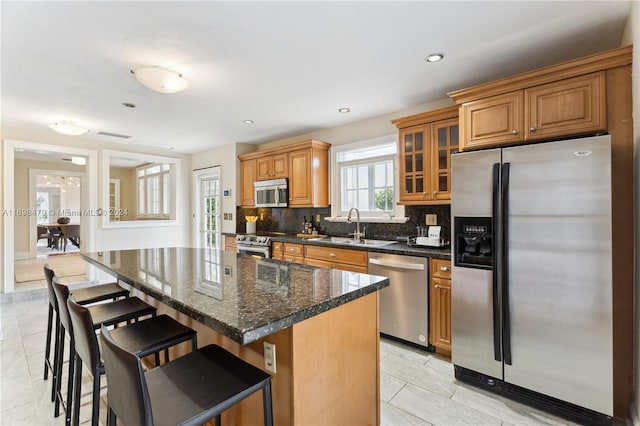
{"x": 107, "y": 238}
{"x": 632, "y": 36}
{"x": 226, "y": 157}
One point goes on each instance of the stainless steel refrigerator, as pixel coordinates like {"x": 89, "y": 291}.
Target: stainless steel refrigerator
{"x": 531, "y": 277}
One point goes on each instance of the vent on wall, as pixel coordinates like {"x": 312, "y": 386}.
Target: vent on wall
{"x": 114, "y": 135}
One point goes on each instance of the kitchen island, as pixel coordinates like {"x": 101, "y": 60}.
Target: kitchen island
{"x": 324, "y": 323}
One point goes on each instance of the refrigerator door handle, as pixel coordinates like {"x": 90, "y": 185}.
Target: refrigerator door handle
{"x": 506, "y": 321}
{"x": 496, "y": 214}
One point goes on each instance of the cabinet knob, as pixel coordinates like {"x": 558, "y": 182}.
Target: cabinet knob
{"x": 332, "y": 254}
{"x": 436, "y": 286}
{"x": 514, "y": 131}
{"x": 532, "y": 129}
{"x": 435, "y": 192}
{"x": 444, "y": 268}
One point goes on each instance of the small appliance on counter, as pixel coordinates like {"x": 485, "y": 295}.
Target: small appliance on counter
{"x": 428, "y": 237}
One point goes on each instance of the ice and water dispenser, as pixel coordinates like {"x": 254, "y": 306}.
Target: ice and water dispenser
{"x": 473, "y": 242}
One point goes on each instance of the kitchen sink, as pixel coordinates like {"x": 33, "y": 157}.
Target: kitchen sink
{"x": 351, "y": 241}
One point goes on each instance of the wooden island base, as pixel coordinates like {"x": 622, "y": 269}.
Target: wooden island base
{"x": 328, "y": 366}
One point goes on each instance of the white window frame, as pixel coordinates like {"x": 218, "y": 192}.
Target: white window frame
{"x": 339, "y": 212}
{"x": 162, "y": 191}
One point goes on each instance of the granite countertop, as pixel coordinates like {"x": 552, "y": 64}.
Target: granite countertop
{"x": 242, "y": 297}
{"x": 395, "y": 248}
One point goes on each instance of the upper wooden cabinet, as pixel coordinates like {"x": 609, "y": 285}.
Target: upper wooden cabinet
{"x": 564, "y": 100}
{"x": 272, "y": 167}
{"x": 247, "y": 177}
{"x": 305, "y": 164}
{"x": 426, "y": 142}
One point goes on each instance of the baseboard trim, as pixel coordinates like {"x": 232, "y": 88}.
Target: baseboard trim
{"x": 22, "y": 255}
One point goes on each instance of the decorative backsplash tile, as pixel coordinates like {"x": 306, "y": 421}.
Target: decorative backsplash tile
{"x": 290, "y": 221}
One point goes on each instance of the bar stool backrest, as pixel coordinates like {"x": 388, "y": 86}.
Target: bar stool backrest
{"x": 127, "y": 391}
{"x": 61, "y": 292}
{"x": 49, "y": 274}
{"x": 84, "y": 335}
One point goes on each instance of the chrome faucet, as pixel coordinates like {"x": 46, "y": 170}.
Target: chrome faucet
{"x": 356, "y": 235}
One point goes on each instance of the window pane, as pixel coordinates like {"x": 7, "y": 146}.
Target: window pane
{"x": 363, "y": 200}
{"x": 166, "y": 194}
{"x": 141, "y": 196}
{"x": 454, "y": 135}
{"x": 419, "y": 166}
{"x": 408, "y": 163}
{"x": 380, "y": 175}
{"x": 419, "y": 141}
{"x": 442, "y": 137}
{"x": 363, "y": 177}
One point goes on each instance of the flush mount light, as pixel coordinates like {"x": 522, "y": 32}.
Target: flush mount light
{"x": 344, "y": 110}
{"x": 80, "y": 161}
{"x": 68, "y": 128}
{"x": 434, "y": 57}
{"x": 160, "y": 79}
{"x": 248, "y": 121}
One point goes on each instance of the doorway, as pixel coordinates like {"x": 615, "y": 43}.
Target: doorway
{"x": 208, "y": 204}
{"x": 88, "y": 222}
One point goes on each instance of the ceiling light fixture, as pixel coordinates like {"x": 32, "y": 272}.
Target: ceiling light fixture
{"x": 80, "y": 161}
{"x": 160, "y": 79}
{"x": 434, "y": 57}
{"x": 248, "y": 121}
{"x": 68, "y": 128}
{"x": 344, "y": 110}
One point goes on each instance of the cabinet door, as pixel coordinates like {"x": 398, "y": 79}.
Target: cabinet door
{"x": 493, "y": 121}
{"x": 414, "y": 156}
{"x": 272, "y": 167}
{"x": 300, "y": 184}
{"x": 441, "y": 314}
{"x": 567, "y": 107}
{"x": 280, "y": 165}
{"x": 247, "y": 177}
{"x": 230, "y": 243}
{"x": 444, "y": 141}
{"x": 264, "y": 168}
{"x": 277, "y": 250}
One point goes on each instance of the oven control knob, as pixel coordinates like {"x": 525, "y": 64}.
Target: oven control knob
{"x": 239, "y": 237}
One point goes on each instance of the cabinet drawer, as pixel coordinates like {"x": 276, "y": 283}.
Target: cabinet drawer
{"x": 277, "y": 247}
{"x": 441, "y": 268}
{"x": 353, "y": 257}
{"x": 293, "y": 249}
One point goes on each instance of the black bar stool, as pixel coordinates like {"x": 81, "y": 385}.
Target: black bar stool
{"x": 187, "y": 391}
{"x": 110, "y": 314}
{"x": 146, "y": 337}
{"x": 85, "y": 296}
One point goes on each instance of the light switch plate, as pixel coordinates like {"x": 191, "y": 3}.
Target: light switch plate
{"x": 270, "y": 356}
{"x": 431, "y": 219}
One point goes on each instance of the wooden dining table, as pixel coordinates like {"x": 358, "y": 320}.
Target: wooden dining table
{"x": 61, "y": 228}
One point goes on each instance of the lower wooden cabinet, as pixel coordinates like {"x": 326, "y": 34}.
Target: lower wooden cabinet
{"x": 336, "y": 258}
{"x": 440, "y": 306}
{"x": 230, "y": 243}
{"x": 292, "y": 252}
{"x": 277, "y": 250}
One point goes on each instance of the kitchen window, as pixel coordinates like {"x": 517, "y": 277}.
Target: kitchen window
{"x": 365, "y": 177}
{"x": 154, "y": 191}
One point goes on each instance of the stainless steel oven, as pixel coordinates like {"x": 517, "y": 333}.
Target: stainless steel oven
{"x": 255, "y": 245}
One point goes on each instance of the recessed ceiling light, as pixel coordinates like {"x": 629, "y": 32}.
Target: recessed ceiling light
{"x": 68, "y": 128}
{"x": 248, "y": 121}
{"x": 160, "y": 79}
{"x": 344, "y": 110}
{"x": 434, "y": 57}
{"x": 128, "y": 105}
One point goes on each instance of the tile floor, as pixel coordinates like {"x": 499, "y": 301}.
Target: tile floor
{"x": 417, "y": 388}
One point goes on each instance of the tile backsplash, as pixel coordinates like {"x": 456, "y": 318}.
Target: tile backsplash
{"x": 290, "y": 221}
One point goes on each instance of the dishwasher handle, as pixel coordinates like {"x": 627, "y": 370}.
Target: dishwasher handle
{"x": 400, "y": 265}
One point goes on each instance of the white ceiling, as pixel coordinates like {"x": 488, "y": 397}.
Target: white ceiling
{"x": 288, "y": 66}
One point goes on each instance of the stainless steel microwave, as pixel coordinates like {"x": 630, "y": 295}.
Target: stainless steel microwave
{"x": 271, "y": 193}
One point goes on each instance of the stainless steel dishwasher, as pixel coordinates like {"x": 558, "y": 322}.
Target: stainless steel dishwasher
{"x": 404, "y": 305}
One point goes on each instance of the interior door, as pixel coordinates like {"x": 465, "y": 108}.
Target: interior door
{"x": 207, "y": 207}
{"x": 559, "y": 270}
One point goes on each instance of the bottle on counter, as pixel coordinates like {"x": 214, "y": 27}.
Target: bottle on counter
{"x": 304, "y": 225}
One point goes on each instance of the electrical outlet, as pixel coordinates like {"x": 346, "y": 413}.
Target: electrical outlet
{"x": 431, "y": 219}
{"x": 317, "y": 218}
{"x": 270, "y": 356}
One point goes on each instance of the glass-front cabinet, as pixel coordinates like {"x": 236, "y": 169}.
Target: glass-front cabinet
{"x": 426, "y": 143}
